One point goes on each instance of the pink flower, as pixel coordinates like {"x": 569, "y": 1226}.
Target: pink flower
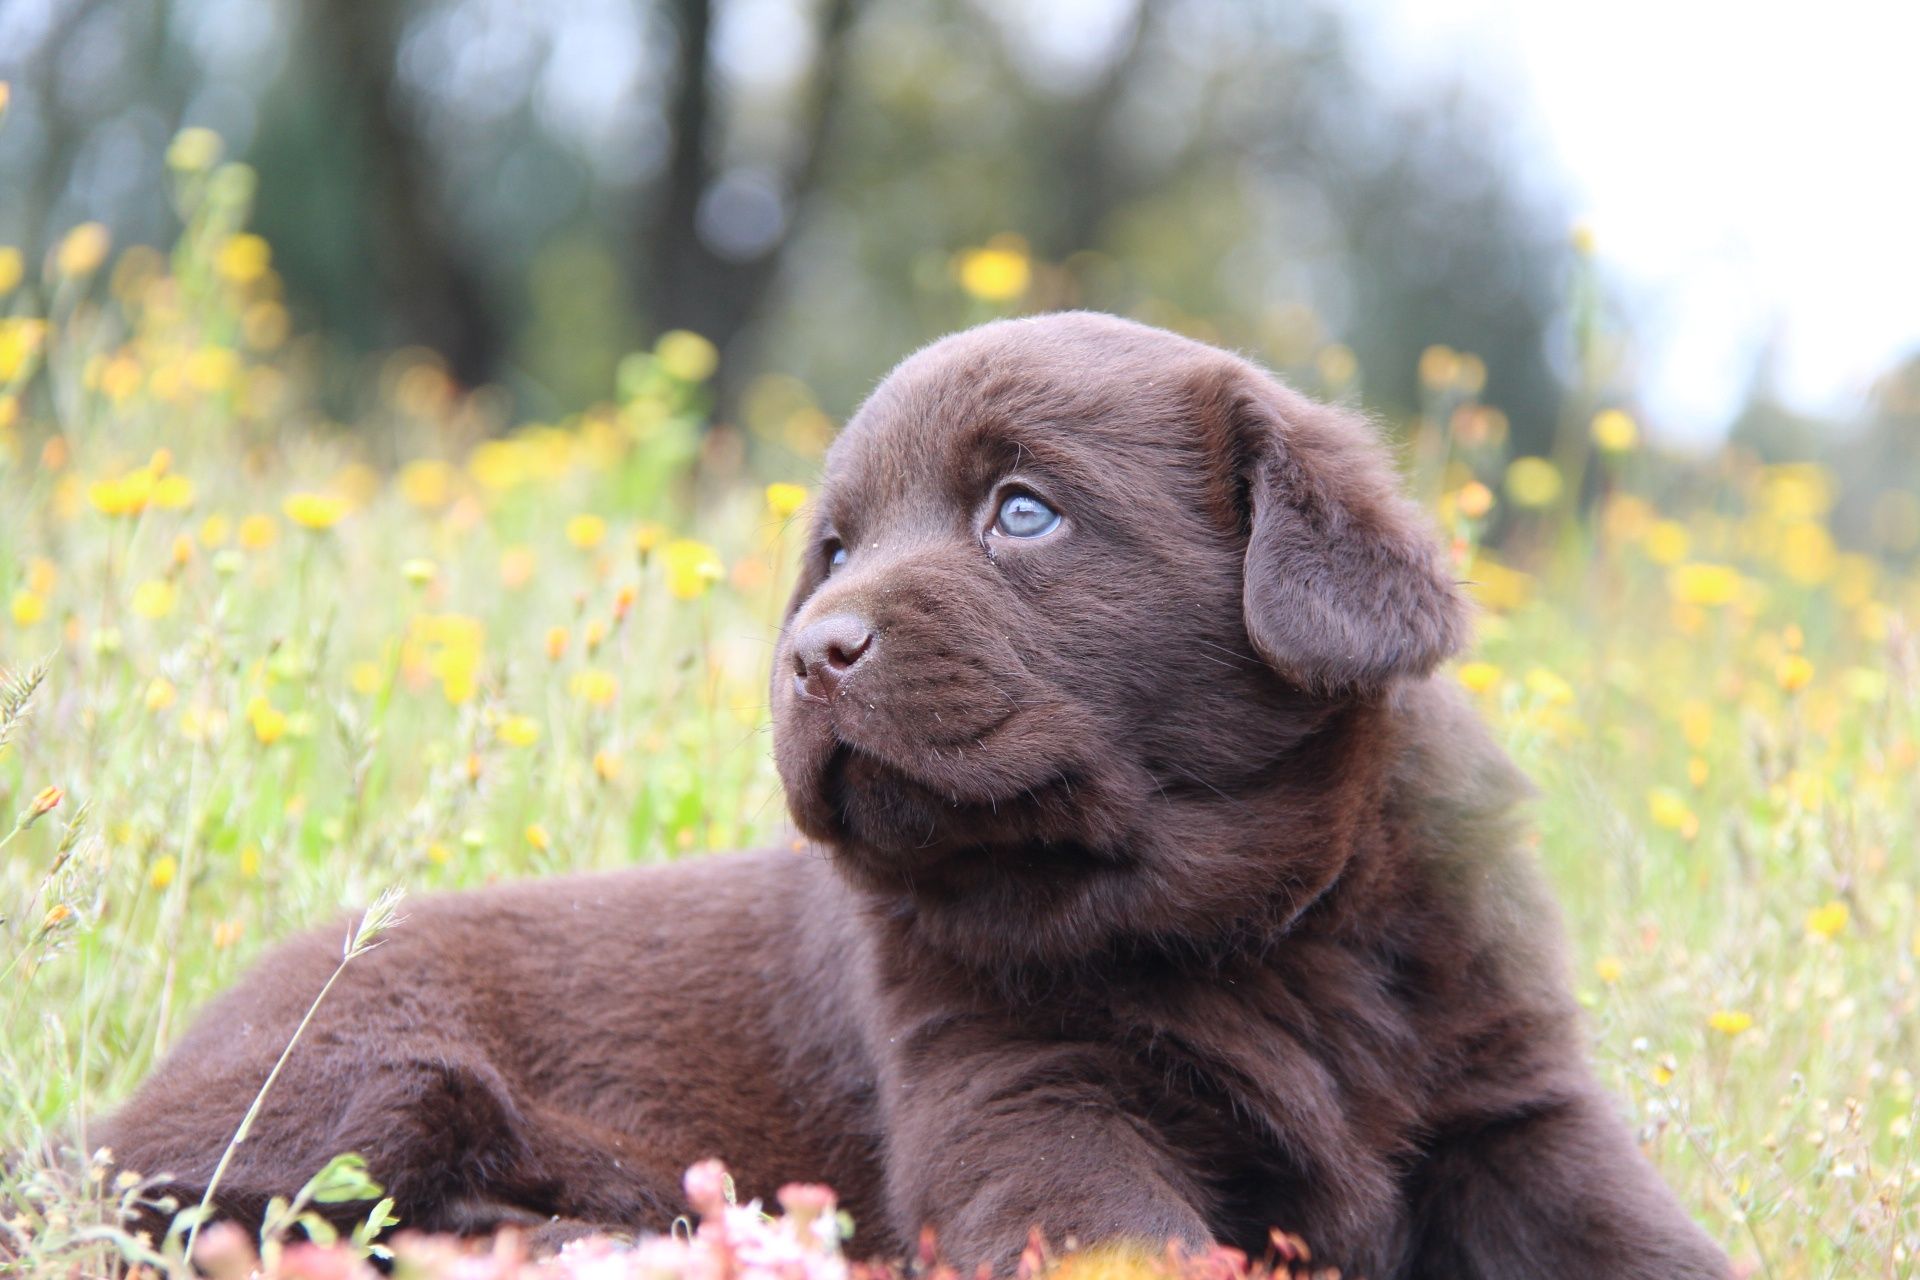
{"x": 806, "y": 1198}
{"x": 706, "y": 1185}
{"x": 225, "y": 1252}
{"x": 316, "y": 1262}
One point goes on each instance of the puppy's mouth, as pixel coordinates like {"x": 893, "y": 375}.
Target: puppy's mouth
{"x": 892, "y": 831}
{"x": 887, "y": 815}
{"x": 873, "y": 798}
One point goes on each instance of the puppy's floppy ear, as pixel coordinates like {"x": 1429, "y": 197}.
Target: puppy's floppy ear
{"x": 1345, "y": 586}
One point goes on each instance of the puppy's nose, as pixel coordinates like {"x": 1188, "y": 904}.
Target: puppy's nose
{"x": 826, "y": 652}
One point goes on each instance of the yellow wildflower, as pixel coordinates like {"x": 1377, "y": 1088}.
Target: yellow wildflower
{"x": 1474, "y": 500}
{"x": 1797, "y": 491}
{"x": 28, "y": 607}
{"x": 1730, "y": 1022}
{"x": 686, "y": 355}
{"x": 1615, "y": 431}
{"x": 1706, "y": 585}
{"x": 250, "y": 861}
{"x": 21, "y": 338}
{"x": 194, "y": 150}
{"x": 1478, "y": 676}
{"x": 154, "y": 598}
{"x": 1666, "y": 542}
{"x": 173, "y": 493}
{"x": 458, "y": 668}
{"x": 586, "y": 531}
{"x": 537, "y": 837}
{"x": 1609, "y": 969}
{"x": 1807, "y": 554}
{"x": 243, "y": 258}
{"x": 427, "y": 483}
{"x": 12, "y": 268}
{"x": 1495, "y": 586}
{"x": 1533, "y": 482}
{"x": 82, "y": 250}
{"x": 999, "y": 272}
{"x": 1828, "y": 921}
{"x": 1439, "y": 366}
{"x": 164, "y": 869}
{"x": 269, "y": 722}
{"x": 606, "y": 765}
{"x": 1794, "y": 672}
{"x": 160, "y": 694}
{"x": 692, "y": 567}
{"x": 500, "y": 464}
{"x": 125, "y": 495}
{"x": 784, "y": 499}
{"x": 365, "y": 678}
{"x": 519, "y": 731}
{"x": 316, "y": 511}
{"x": 1696, "y": 722}
{"x": 594, "y": 686}
{"x": 556, "y": 643}
{"x": 211, "y": 369}
{"x": 1668, "y": 809}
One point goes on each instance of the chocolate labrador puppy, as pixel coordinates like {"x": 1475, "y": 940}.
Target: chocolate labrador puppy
{"x": 1156, "y": 888}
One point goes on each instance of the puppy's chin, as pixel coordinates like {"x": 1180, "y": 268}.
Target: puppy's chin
{"x": 896, "y": 828}
{"x": 895, "y": 818}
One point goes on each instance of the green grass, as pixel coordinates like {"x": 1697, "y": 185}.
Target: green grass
{"x": 548, "y": 653}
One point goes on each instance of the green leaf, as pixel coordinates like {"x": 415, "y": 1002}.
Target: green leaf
{"x": 344, "y": 1180}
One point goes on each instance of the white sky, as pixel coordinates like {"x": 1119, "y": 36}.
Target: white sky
{"x": 1751, "y": 171}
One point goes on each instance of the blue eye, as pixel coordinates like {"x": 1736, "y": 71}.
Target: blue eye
{"x": 1024, "y": 516}
{"x": 836, "y": 556}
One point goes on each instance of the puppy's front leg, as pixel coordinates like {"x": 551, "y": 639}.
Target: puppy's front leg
{"x": 985, "y": 1146}
{"x": 1559, "y": 1191}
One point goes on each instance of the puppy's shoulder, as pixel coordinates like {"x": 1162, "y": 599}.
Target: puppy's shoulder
{"x": 1465, "y": 878}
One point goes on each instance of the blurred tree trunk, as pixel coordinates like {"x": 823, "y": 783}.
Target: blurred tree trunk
{"x": 1092, "y": 180}
{"x": 432, "y": 292}
{"x": 687, "y": 282}
{"x": 59, "y": 135}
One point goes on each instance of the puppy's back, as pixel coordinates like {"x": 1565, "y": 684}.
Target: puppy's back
{"x": 642, "y": 1015}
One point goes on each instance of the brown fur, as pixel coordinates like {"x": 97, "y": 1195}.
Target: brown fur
{"x": 1156, "y": 889}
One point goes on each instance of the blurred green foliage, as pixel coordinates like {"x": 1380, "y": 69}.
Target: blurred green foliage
{"x": 531, "y": 191}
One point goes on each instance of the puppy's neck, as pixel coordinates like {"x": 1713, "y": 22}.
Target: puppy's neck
{"x": 1198, "y": 878}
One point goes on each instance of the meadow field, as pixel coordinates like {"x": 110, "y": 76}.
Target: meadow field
{"x": 273, "y": 645}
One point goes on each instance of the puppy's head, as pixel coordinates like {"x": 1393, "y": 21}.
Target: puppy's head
{"x": 1079, "y": 599}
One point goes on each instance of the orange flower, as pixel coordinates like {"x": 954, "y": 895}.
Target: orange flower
{"x": 43, "y": 803}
